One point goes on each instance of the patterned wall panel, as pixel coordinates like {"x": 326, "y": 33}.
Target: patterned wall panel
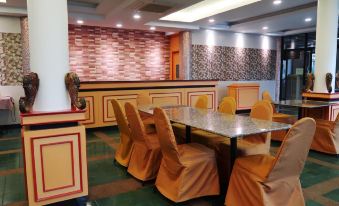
{"x": 10, "y": 59}
{"x": 232, "y": 64}
{"x": 25, "y": 44}
{"x": 100, "y": 53}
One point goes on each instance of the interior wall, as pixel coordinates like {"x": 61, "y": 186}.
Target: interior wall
{"x": 11, "y": 26}
{"x": 234, "y": 57}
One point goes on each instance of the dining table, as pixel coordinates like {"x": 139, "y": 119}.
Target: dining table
{"x": 228, "y": 126}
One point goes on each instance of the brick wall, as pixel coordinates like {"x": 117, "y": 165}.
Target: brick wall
{"x": 100, "y": 53}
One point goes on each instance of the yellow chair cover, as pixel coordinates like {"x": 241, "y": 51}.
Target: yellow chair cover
{"x": 123, "y": 153}
{"x": 278, "y": 117}
{"x": 187, "y": 171}
{"x": 202, "y": 102}
{"x": 144, "y": 99}
{"x": 146, "y": 155}
{"x": 260, "y": 180}
{"x": 326, "y": 137}
{"x": 228, "y": 105}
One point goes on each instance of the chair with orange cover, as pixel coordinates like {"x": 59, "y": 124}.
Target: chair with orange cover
{"x": 187, "y": 171}
{"x": 144, "y": 99}
{"x": 228, "y": 106}
{"x": 123, "y": 153}
{"x": 326, "y": 137}
{"x": 180, "y": 129}
{"x": 146, "y": 154}
{"x": 278, "y": 117}
{"x": 267, "y": 180}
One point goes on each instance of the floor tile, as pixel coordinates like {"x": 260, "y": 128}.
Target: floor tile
{"x": 333, "y": 195}
{"x": 105, "y": 171}
{"x": 10, "y": 144}
{"x": 312, "y": 203}
{"x": 315, "y": 173}
{"x": 11, "y": 161}
{"x": 14, "y": 189}
{"x": 324, "y": 157}
{"x": 142, "y": 197}
{"x": 10, "y": 133}
{"x": 98, "y": 148}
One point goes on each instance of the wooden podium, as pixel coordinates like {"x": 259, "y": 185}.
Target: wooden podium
{"x": 54, "y": 148}
{"x": 245, "y": 94}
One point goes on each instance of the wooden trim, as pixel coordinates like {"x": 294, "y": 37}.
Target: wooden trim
{"x": 89, "y": 109}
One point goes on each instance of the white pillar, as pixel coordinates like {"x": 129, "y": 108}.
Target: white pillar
{"x": 48, "y": 44}
{"x": 326, "y": 43}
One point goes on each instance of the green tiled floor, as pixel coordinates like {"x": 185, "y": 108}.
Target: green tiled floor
{"x": 102, "y": 171}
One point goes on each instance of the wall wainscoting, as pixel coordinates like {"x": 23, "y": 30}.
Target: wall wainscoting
{"x": 10, "y": 59}
{"x": 100, "y": 53}
{"x": 232, "y": 64}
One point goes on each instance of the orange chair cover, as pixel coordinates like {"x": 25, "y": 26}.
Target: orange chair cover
{"x": 144, "y": 99}
{"x": 228, "y": 105}
{"x": 123, "y": 153}
{"x": 202, "y": 102}
{"x": 260, "y": 180}
{"x": 146, "y": 155}
{"x": 278, "y": 117}
{"x": 187, "y": 171}
{"x": 326, "y": 137}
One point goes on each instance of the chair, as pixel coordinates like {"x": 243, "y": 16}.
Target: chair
{"x": 326, "y": 137}
{"x": 187, "y": 171}
{"x": 123, "y": 153}
{"x": 272, "y": 181}
{"x": 146, "y": 155}
{"x": 278, "y": 117}
{"x": 228, "y": 105}
{"x": 144, "y": 99}
{"x": 180, "y": 129}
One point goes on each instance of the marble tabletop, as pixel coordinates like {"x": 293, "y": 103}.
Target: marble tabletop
{"x": 303, "y": 103}
{"x": 231, "y": 126}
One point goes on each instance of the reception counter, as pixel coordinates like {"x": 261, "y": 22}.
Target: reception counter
{"x": 99, "y": 112}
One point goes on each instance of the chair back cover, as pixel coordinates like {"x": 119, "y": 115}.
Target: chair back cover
{"x": 138, "y": 131}
{"x": 168, "y": 145}
{"x": 262, "y": 110}
{"x": 228, "y": 105}
{"x": 121, "y": 119}
{"x": 144, "y": 99}
{"x": 290, "y": 159}
{"x": 202, "y": 102}
{"x": 267, "y": 96}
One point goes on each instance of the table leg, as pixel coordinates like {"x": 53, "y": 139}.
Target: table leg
{"x": 188, "y": 134}
{"x": 233, "y": 151}
{"x": 300, "y": 113}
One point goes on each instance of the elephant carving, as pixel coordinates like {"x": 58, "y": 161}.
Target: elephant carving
{"x": 72, "y": 82}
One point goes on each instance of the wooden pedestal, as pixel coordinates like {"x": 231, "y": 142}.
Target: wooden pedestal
{"x": 54, "y": 147}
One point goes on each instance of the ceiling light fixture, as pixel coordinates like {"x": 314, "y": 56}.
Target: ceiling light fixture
{"x": 152, "y": 28}
{"x": 211, "y": 20}
{"x": 308, "y": 19}
{"x": 277, "y": 2}
{"x": 136, "y": 16}
{"x": 80, "y": 21}
{"x": 206, "y": 9}
{"x": 265, "y": 28}
{"x": 3, "y": 1}
{"x": 119, "y": 25}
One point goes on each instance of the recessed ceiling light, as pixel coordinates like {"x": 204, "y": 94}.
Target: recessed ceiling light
{"x": 136, "y": 16}
{"x": 265, "y": 28}
{"x": 119, "y": 25}
{"x": 152, "y": 28}
{"x": 2, "y": 1}
{"x": 308, "y": 19}
{"x": 80, "y": 21}
{"x": 206, "y": 9}
{"x": 211, "y": 20}
{"x": 277, "y": 2}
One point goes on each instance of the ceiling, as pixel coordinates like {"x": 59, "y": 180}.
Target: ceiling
{"x": 288, "y": 17}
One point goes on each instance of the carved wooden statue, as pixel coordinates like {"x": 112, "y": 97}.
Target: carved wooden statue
{"x": 31, "y": 86}
{"x": 72, "y": 82}
{"x": 329, "y": 78}
{"x": 337, "y": 80}
{"x": 309, "y": 82}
